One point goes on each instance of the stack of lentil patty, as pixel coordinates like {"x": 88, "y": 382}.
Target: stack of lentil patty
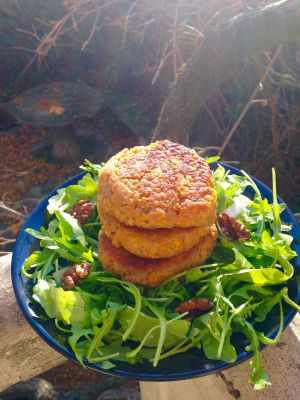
{"x": 158, "y": 208}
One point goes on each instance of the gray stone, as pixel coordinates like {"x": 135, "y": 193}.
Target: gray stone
{"x": 120, "y": 394}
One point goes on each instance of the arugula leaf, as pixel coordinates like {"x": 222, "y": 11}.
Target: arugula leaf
{"x": 94, "y": 169}
{"x": 65, "y": 198}
{"x": 37, "y": 260}
{"x": 257, "y": 291}
{"x": 291, "y": 302}
{"x": 224, "y": 255}
{"x": 86, "y": 188}
{"x": 77, "y": 334}
{"x": 210, "y": 160}
{"x": 211, "y": 342}
{"x": 138, "y": 302}
{"x": 99, "y": 333}
{"x": 62, "y": 245}
{"x": 266, "y": 306}
{"x": 266, "y": 276}
{"x": 71, "y": 226}
{"x": 163, "y": 331}
{"x": 276, "y": 225}
{"x": 60, "y": 201}
{"x": 197, "y": 273}
{"x": 228, "y": 187}
{"x": 241, "y": 261}
{"x": 258, "y": 378}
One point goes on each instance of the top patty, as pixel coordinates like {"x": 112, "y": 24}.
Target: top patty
{"x": 162, "y": 185}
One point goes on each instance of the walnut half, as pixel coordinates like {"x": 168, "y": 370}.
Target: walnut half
{"x": 232, "y": 229}
{"x": 74, "y": 275}
{"x": 194, "y": 307}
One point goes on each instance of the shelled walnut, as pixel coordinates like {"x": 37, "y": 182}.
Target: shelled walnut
{"x": 232, "y": 229}
{"x": 74, "y": 275}
{"x": 82, "y": 211}
{"x": 194, "y": 307}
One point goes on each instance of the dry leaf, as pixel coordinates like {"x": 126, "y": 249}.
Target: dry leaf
{"x": 51, "y": 106}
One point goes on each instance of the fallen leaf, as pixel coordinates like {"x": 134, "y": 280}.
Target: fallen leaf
{"x": 51, "y": 106}
{"x": 15, "y": 228}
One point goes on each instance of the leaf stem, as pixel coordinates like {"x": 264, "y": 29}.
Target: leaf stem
{"x": 291, "y": 302}
{"x": 263, "y": 339}
{"x": 104, "y": 358}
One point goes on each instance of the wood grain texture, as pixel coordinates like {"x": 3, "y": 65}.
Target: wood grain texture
{"x": 209, "y": 387}
{"x": 22, "y": 353}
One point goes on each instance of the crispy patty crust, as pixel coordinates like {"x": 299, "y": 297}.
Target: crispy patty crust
{"x": 151, "y": 243}
{"x": 149, "y": 272}
{"x": 163, "y": 185}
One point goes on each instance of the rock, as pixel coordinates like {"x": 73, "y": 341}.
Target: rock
{"x": 34, "y": 389}
{"x": 120, "y": 394}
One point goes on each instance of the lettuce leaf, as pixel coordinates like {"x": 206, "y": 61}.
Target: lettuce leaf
{"x": 66, "y": 306}
{"x": 175, "y": 331}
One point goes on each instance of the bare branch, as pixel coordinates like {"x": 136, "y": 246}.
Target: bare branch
{"x": 250, "y": 101}
{"x": 11, "y": 210}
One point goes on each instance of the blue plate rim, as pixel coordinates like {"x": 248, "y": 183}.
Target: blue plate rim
{"x": 17, "y": 287}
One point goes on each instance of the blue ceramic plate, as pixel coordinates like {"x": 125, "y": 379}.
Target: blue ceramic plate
{"x": 181, "y": 366}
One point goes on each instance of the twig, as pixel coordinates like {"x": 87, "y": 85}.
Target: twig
{"x": 4, "y": 241}
{"x": 127, "y": 18}
{"x": 11, "y": 210}
{"x": 158, "y": 70}
{"x": 249, "y": 103}
{"x": 93, "y": 30}
{"x": 215, "y": 122}
{"x": 31, "y": 34}
{"x": 23, "y": 49}
{"x": 5, "y": 172}
{"x": 163, "y": 59}
{"x": 47, "y": 42}
{"x": 174, "y": 40}
{"x": 144, "y": 27}
{"x": 262, "y": 102}
{"x": 202, "y": 150}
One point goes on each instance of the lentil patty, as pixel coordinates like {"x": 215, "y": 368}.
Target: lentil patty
{"x": 149, "y": 272}
{"x": 151, "y": 243}
{"x": 163, "y": 185}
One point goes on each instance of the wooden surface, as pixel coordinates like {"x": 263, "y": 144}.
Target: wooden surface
{"x": 210, "y": 387}
{"x": 23, "y": 355}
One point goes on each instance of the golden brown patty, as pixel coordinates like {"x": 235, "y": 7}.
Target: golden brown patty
{"x": 148, "y": 272}
{"x": 163, "y": 185}
{"x": 151, "y": 243}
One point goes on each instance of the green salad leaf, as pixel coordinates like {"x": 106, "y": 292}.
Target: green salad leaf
{"x": 66, "y": 306}
{"x": 71, "y": 226}
{"x": 176, "y": 330}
